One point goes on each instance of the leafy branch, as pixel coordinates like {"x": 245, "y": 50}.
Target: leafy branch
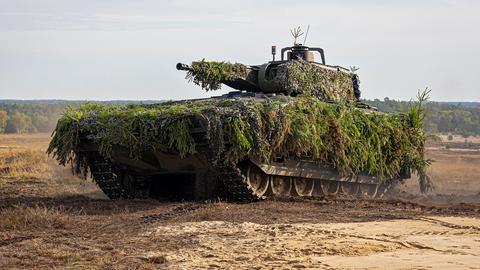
{"x": 296, "y": 33}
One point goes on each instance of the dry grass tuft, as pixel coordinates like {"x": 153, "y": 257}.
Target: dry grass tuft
{"x": 35, "y": 218}
{"x": 24, "y": 164}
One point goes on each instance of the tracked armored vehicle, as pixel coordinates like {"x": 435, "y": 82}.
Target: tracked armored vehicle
{"x": 264, "y": 140}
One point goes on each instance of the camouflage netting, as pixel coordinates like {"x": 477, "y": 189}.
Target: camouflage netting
{"x": 301, "y": 77}
{"x": 352, "y": 140}
{"x": 209, "y": 75}
{"x": 293, "y": 77}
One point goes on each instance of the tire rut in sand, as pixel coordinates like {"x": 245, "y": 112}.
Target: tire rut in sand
{"x": 173, "y": 212}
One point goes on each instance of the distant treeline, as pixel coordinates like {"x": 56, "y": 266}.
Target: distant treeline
{"x": 31, "y": 116}
{"x": 41, "y": 116}
{"x": 444, "y": 117}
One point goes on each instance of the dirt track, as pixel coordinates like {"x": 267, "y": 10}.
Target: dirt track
{"x": 63, "y": 222}
{"x": 395, "y": 244}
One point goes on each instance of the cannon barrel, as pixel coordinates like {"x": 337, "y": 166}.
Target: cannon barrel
{"x": 182, "y": 66}
{"x": 239, "y": 83}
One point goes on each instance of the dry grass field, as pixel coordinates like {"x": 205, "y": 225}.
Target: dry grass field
{"x": 459, "y": 138}
{"x": 50, "y": 219}
{"x": 454, "y": 172}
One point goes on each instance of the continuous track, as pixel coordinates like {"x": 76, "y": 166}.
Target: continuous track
{"x": 107, "y": 180}
{"x": 248, "y": 183}
{"x": 236, "y": 185}
{"x": 242, "y": 183}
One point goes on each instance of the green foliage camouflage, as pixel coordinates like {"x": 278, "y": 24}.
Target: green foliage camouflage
{"x": 294, "y": 77}
{"x": 209, "y": 75}
{"x": 441, "y": 117}
{"x": 350, "y": 139}
{"x": 327, "y": 84}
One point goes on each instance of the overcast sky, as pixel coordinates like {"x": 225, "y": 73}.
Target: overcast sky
{"x": 119, "y": 49}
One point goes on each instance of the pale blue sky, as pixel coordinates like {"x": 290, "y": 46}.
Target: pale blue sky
{"x": 128, "y": 49}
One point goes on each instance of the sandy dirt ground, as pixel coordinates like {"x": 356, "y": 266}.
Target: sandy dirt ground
{"x": 425, "y": 242}
{"x": 52, "y": 220}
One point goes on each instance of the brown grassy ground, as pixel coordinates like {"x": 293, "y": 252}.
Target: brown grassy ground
{"x": 52, "y": 220}
{"x": 459, "y": 138}
{"x": 456, "y": 176}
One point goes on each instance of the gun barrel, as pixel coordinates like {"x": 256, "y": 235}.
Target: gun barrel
{"x": 181, "y": 66}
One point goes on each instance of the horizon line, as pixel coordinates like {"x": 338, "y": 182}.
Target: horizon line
{"x": 139, "y": 100}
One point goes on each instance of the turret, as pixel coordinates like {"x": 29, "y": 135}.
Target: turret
{"x": 281, "y": 76}
{"x": 298, "y": 51}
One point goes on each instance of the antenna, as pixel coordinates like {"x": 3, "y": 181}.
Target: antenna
{"x": 306, "y": 34}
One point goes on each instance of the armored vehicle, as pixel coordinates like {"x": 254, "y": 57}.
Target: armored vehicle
{"x": 294, "y": 127}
